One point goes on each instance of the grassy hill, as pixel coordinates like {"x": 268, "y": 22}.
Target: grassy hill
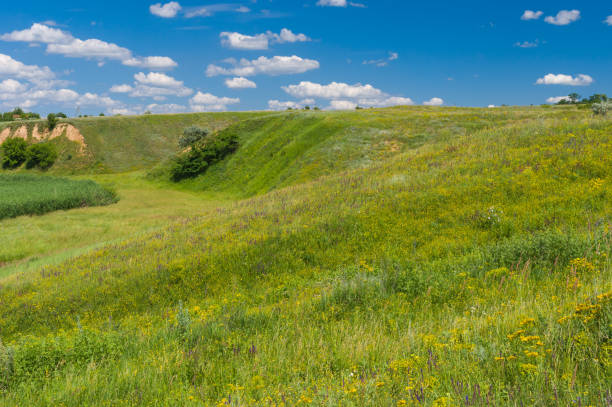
{"x": 406, "y": 256}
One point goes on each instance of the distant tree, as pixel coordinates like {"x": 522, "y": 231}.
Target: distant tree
{"x": 316, "y": 108}
{"x": 148, "y": 112}
{"x": 101, "y": 114}
{"x": 51, "y": 121}
{"x": 13, "y": 153}
{"x": 191, "y": 135}
{"x": 573, "y": 97}
{"x": 306, "y": 107}
{"x": 18, "y": 111}
{"x": 61, "y": 115}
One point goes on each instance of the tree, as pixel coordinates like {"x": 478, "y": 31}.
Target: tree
{"x": 573, "y": 97}
{"x": 101, "y": 114}
{"x": 51, "y": 121}
{"x": 191, "y": 135}
{"x": 13, "y": 153}
{"x": 61, "y": 115}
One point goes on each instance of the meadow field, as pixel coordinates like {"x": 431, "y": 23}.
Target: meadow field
{"x": 35, "y": 194}
{"x": 384, "y": 257}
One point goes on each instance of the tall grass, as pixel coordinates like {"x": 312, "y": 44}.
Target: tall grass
{"x": 27, "y": 194}
{"x": 474, "y": 270}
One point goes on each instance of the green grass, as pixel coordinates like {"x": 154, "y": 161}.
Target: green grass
{"x": 470, "y": 267}
{"x": 28, "y": 194}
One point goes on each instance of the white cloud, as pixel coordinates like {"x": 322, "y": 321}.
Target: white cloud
{"x": 344, "y": 96}
{"x": 331, "y": 3}
{"x": 92, "y": 99}
{"x": 531, "y": 15}
{"x": 382, "y": 62}
{"x": 63, "y": 43}
{"x": 243, "y": 9}
{"x": 92, "y": 48}
{"x": 278, "y": 105}
{"x": 386, "y": 102}
{"x": 287, "y": 36}
{"x": 563, "y": 17}
{"x": 608, "y": 20}
{"x": 10, "y": 86}
{"x": 151, "y": 62}
{"x": 168, "y": 10}
{"x": 556, "y": 99}
{"x": 334, "y": 90}
{"x": 204, "y": 102}
{"x": 244, "y": 42}
{"x": 568, "y": 80}
{"x": 121, "y": 89}
{"x": 491, "y": 106}
{"x": 39, "y": 33}
{"x": 434, "y": 102}
{"x": 13, "y": 68}
{"x": 527, "y": 44}
{"x": 166, "y": 108}
{"x": 240, "y": 41}
{"x": 157, "y": 79}
{"x": 342, "y": 105}
{"x": 240, "y": 83}
{"x": 277, "y": 65}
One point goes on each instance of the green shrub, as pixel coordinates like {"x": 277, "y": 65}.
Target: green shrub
{"x": 203, "y": 154}
{"x": 42, "y": 155}
{"x": 192, "y": 135}
{"x": 51, "y": 121}
{"x": 13, "y": 153}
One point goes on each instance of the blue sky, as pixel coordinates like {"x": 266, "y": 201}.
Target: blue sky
{"x": 131, "y": 56}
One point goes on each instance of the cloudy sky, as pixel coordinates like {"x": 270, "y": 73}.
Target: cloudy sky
{"x": 131, "y": 56}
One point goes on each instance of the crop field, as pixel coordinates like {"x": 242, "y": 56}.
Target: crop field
{"x": 35, "y": 194}
{"x": 386, "y": 257}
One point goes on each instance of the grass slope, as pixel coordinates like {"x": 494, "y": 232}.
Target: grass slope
{"x": 473, "y": 269}
{"x": 28, "y": 194}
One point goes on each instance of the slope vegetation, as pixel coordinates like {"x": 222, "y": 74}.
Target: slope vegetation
{"x": 469, "y": 268}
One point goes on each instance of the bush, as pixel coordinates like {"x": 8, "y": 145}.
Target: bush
{"x": 13, "y": 153}
{"x": 51, "y": 121}
{"x": 192, "y": 135}
{"x": 207, "y": 152}
{"x": 42, "y": 155}
{"x": 601, "y": 108}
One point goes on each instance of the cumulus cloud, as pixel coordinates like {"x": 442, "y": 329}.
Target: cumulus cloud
{"x": 568, "y": 80}
{"x": 434, "y": 102}
{"x": 13, "y": 68}
{"x": 10, "y": 86}
{"x": 240, "y": 83}
{"x": 168, "y": 10}
{"x": 39, "y": 33}
{"x": 531, "y": 15}
{"x": 205, "y": 102}
{"x": 240, "y": 41}
{"x": 278, "y": 105}
{"x": 244, "y": 42}
{"x": 166, "y": 108}
{"x": 92, "y": 48}
{"x": 151, "y": 62}
{"x": 334, "y": 90}
{"x": 154, "y": 85}
{"x": 278, "y": 65}
{"x": 556, "y": 99}
{"x": 345, "y": 96}
{"x": 63, "y": 43}
{"x": 563, "y": 17}
{"x": 121, "y": 89}
{"x": 342, "y": 105}
{"x": 608, "y": 20}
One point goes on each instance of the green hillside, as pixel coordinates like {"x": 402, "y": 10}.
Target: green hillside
{"x": 392, "y": 257}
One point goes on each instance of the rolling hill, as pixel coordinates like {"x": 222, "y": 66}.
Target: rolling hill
{"x": 403, "y": 256}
